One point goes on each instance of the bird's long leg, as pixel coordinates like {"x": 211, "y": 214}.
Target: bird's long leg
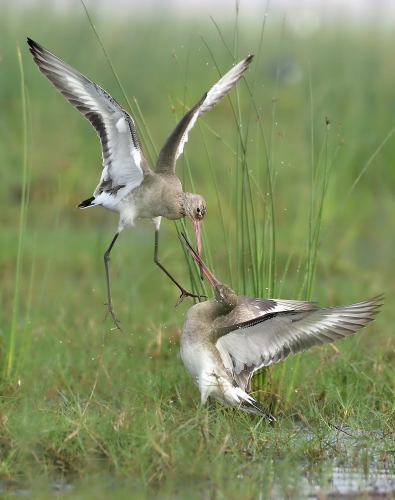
{"x": 184, "y": 293}
{"x": 110, "y": 308}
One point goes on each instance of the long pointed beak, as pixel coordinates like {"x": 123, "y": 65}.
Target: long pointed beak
{"x": 209, "y": 275}
{"x": 197, "y": 224}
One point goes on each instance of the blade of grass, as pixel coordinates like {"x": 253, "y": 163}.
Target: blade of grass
{"x": 9, "y": 362}
{"x": 368, "y": 163}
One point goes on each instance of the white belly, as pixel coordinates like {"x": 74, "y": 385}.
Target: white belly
{"x": 208, "y": 375}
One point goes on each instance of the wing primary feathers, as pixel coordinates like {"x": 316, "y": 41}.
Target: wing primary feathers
{"x": 174, "y": 144}
{"x": 369, "y": 307}
{"x": 123, "y": 158}
{"x": 267, "y": 339}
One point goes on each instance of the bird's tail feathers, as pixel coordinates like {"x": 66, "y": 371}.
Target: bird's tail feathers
{"x": 248, "y": 404}
{"x": 86, "y": 203}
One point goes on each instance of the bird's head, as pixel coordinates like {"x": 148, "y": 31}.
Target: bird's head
{"x": 224, "y": 295}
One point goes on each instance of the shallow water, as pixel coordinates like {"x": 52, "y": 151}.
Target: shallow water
{"x": 358, "y": 469}
{"x": 296, "y": 481}
{"x": 335, "y": 482}
{"x": 355, "y": 466}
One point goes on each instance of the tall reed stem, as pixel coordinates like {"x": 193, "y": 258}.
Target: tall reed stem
{"x": 9, "y": 364}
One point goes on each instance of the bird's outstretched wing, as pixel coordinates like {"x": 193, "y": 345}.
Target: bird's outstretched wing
{"x": 269, "y": 338}
{"x": 174, "y": 144}
{"x": 123, "y": 159}
{"x": 265, "y": 306}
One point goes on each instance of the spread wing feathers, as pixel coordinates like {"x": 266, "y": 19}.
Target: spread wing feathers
{"x": 248, "y": 346}
{"x": 264, "y": 306}
{"x": 123, "y": 158}
{"x": 174, "y": 144}
{"x": 224, "y": 85}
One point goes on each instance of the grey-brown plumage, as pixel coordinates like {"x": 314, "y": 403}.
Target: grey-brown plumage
{"x": 127, "y": 184}
{"x": 226, "y": 339}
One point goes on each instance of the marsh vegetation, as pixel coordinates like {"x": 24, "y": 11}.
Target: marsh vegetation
{"x": 297, "y": 170}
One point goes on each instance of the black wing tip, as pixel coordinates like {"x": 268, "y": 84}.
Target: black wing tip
{"x": 375, "y": 304}
{"x": 34, "y": 46}
{"x": 378, "y": 300}
{"x": 249, "y": 58}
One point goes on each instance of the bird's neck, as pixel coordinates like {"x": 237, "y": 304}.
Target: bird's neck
{"x": 169, "y": 198}
{"x": 201, "y": 317}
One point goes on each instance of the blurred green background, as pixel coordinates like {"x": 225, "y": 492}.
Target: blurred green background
{"x": 351, "y": 77}
{"x": 340, "y": 71}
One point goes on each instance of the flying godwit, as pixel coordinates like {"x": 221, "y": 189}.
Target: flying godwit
{"x": 127, "y": 184}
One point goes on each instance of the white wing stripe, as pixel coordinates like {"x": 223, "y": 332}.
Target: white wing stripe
{"x": 248, "y": 348}
{"x": 123, "y": 158}
{"x": 184, "y": 138}
{"x": 174, "y": 144}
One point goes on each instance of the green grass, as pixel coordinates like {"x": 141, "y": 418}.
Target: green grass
{"x": 80, "y": 399}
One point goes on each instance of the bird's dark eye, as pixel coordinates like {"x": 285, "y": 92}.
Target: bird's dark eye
{"x": 198, "y": 210}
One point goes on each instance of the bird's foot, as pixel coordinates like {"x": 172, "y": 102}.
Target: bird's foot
{"x": 110, "y": 310}
{"x": 185, "y": 294}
